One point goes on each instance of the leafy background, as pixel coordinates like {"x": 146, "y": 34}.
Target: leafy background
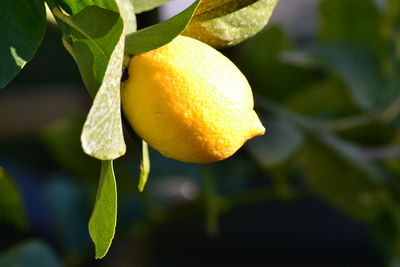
{"x": 321, "y": 187}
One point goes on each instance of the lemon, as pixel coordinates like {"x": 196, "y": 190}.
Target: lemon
{"x": 189, "y": 102}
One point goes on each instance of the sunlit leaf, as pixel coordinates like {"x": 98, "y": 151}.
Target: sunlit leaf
{"x": 98, "y": 50}
{"x": 127, "y": 11}
{"x": 104, "y": 217}
{"x": 160, "y": 34}
{"x": 210, "y": 9}
{"x": 220, "y": 29}
{"x": 22, "y": 27}
{"x": 102, "y": 135}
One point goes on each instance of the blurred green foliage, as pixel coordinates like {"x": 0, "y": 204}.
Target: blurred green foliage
{"x": 31, "y": 253}
{"x": 331, "y": 107}
{"x": 336, "y": 108}
{"x": 10, "y": 200}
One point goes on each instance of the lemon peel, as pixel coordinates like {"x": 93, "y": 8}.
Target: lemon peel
{"x": 189, "y": 102}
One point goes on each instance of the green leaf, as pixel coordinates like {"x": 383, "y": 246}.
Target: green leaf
{"x": 12, "y": 210}
{"x": 98, "y": 49}
{"x": 73, "y": 7}
{"x": 328, "y": 98}
{"x": 104, "y": 217}
{"x": 30, "y": 253}
{"x": 252, "y": 53}
{"x": 22, "y": 27}
{"x": 144, "y": 166}
{"x": 280, "y": 142}
{"x": 145, "y": 5}
{"x": 211, "y": 199}
{"x": 357, "y": 66}
{"x": 62, "y": 142}
{"x": 92, "y": 44}
{"x": 356, "y": 157}
{"x": 351, "y": 21}
{"x": 160, "y": 34}
{"x": 102, "y": 135}
{"x": 124, "y": 7}
{"x": 220, "y": 28}
{"x": 340, "y": 183}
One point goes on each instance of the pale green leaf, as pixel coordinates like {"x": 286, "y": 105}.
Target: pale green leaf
{"x": 12, "y": 210}
{"x": 222, "y": 27}
{"x": 160, "y": 34}
{"x": 98, "y": 49}
{"x": 22, "y": 27}
{"x": 145, "y": 5}
{"x": 102, "y": 135}
{"x": 127, "y": 11}
{"x": 104, "y": 217}
{"x": 144, "y": 166}
{"x": 350, "y": 21}
{"x": 28, "y": 254}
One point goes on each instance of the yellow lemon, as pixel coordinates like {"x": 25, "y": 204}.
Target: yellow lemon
{"x": 189, "y": 102}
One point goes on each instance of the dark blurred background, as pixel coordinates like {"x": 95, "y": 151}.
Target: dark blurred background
{"x": 320, "y": 188}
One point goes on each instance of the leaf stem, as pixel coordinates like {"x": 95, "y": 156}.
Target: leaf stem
{"x": 144, "y": 166}
{"x": 382, "y": 153}
{"x": 353, "y": 153}
{"x": 211, "y": 201}
{"x": 349, "y": 122}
